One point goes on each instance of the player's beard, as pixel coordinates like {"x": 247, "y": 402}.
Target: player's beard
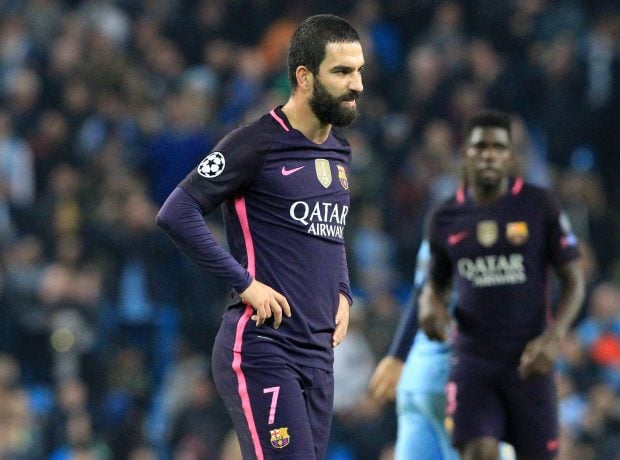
{"x": 329, "y": 109}
{"x": 490, "y": 185}
{"x": 489, "y": 181}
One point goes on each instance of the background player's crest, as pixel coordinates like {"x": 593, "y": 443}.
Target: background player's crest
{"x": 280, "y": 437}
{"x": 342, "y": 175}
{"x": 487, "y": 233}
{"x": 212, "y": 166}
{"x": 323, "y": 172}
{"x": 517, "y": 232}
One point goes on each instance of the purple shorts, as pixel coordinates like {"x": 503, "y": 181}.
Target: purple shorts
{"x": 279, "y": 409}
{"x": 486, "y": 398}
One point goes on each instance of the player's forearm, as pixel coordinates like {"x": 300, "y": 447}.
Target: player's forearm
{"x": 181, "y": 218}
{"x": 433, "y": 315}
{"x": 571, "y": 298}
{"x": 408, "y": 324}
{"x": 406, "y": 330}
{"x": 435, "y": 294}
{"x": 431, "y": 305}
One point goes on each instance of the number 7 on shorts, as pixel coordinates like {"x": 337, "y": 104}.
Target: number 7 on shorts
{"x": 274, "y": 402}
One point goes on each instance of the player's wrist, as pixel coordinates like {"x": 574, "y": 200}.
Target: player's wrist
{"x": 395, "y": 360}
{"x": 555, "y": 334}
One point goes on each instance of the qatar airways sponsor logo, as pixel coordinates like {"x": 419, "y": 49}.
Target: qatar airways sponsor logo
{"x": 321, "y": 218}
{"x": 493, "y": 270}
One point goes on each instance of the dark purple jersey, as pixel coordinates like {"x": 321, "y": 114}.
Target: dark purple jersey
{"x": 499, "y": 258}
{"x": 285, "y": 202}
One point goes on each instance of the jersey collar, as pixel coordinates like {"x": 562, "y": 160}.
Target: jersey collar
{"x": 279, "y": 116}
{"x": 462, "y": 196}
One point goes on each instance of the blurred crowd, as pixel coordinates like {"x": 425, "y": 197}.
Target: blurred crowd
{"x": 105, "y": 105}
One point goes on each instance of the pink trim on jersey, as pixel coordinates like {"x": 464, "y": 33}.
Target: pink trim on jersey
{"x": 242, "y": 215}
{"x": 278, "y": 119}
{"x": 517, "y": 186}
{"x": 460, "y": 195}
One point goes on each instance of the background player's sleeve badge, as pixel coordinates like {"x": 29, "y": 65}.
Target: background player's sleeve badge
{"x": 280, "y": 437}
{"x": 342, "y": 175}
{"x": 323, "y": 172}
{"x": 565, "y": 222}
{"x": 487, "y": 233}
{"x": 569, "y": 238}
{"x": 517, "y": 232}
{"x": 212, "y": 166}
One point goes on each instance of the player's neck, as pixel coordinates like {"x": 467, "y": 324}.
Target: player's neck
{"x": 302, "y": 118}
{"x": 485, "y": 195}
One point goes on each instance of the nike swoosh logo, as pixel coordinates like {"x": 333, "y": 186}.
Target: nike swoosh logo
{"x": 457, "y": 237}
{"x": 288, "y": 172}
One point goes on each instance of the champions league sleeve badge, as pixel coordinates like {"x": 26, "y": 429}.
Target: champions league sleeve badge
{"x": 569, "y": 238}
{"x": 212, "y": 166}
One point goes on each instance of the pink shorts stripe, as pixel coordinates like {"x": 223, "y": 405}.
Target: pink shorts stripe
{"x": 242, "y": 215}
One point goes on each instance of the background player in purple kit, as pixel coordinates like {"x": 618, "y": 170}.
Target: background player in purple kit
{"x": 283, "y": 183}
{"x": 495, "y": 241}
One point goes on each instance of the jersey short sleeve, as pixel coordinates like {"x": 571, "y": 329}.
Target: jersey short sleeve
{"x": 440, "y": 264}
{"x": 562, "y": 245}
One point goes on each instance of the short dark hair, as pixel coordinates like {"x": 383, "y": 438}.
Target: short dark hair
{"x": 489, "y": 119}
{"x": 309, "y": 40}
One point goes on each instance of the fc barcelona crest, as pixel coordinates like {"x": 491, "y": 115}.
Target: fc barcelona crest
{"x": 280, "y": 437}
{"x": 487, "y": 233}
{"x": 342, "y": 176}
{"x": 517, "y": 232}
{"x": 323, "y": 172}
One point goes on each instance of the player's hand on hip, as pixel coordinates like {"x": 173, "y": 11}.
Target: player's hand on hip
{"x": 384, "y": 380}
{"x": 342, "y": 321}
{"x": 267, "y": 302}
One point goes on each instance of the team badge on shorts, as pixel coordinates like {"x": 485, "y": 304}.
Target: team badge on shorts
{"x": 212, "y": 166}
{"x": 487, "y": 233}
{"x": 342, "y": 175}
{"x": 517, "y": 232}
{"x": 323, "y": 172}
{"x": 280, "y": 437}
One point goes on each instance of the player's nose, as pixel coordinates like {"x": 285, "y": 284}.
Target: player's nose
{"x": 488, "y": 152}
{"x": 355, "y": 84}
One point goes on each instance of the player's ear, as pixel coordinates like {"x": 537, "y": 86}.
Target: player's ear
{"x": 304, "y": 77}
{"x": 515, "y": 165}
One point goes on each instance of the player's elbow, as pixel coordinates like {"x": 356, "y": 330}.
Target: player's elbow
{"x": 573, "y": 279}
{"x": 163, "y": 221}
{"x": 165, "y": 218}
{"x": 169, "y": 213}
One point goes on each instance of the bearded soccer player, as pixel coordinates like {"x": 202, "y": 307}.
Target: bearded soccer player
{"x": 283, "y": 183}
{"x": 496, "y": 242}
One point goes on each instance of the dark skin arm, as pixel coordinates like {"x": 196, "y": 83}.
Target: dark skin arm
{"x": 433, "y": 315}
{"x": 540, "y": 353}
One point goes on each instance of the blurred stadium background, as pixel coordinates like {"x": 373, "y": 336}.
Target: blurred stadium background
{"x": 106, "y": 330}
